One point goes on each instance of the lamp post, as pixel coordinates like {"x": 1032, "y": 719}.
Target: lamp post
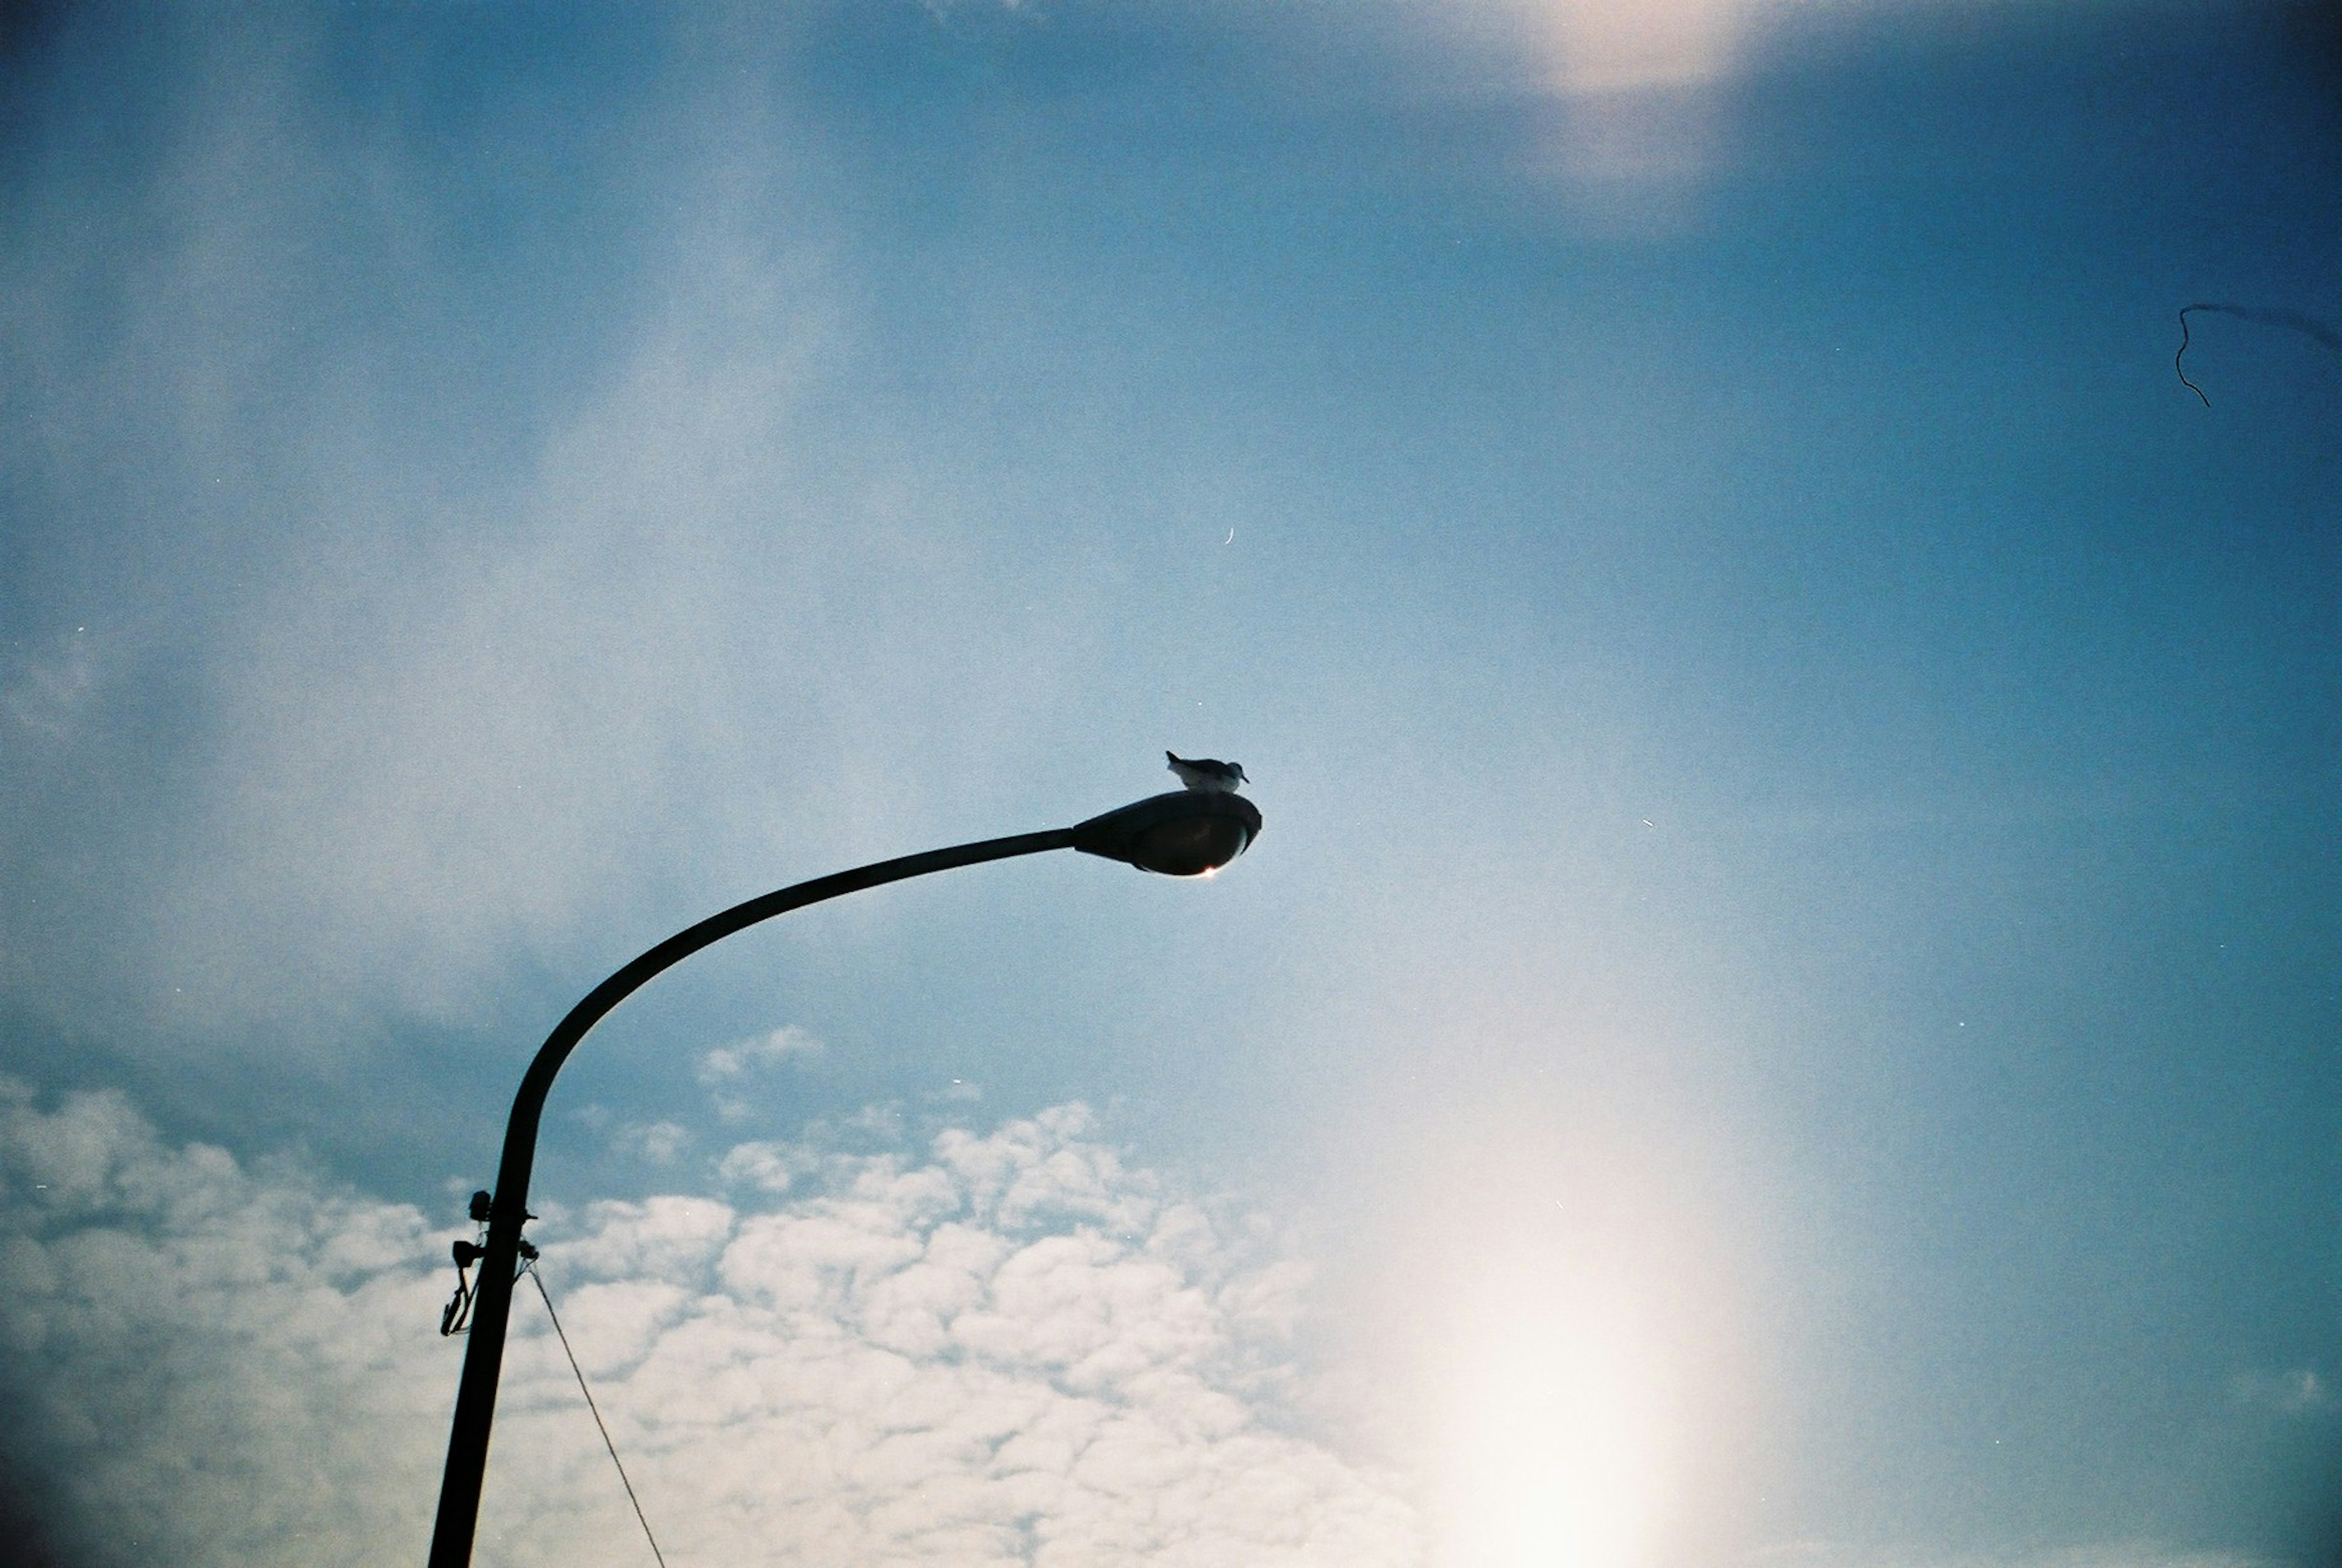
{"x": 1178, "y": 835}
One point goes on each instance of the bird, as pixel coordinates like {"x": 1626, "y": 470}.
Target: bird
{"x": 1208, "y": 775}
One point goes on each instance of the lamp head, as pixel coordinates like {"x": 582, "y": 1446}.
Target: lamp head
{"x": 1182, "y": 834}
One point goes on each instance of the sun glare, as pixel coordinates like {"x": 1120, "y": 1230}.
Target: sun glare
{"x": 1629, "y": 45}
{"x": 1554, "y": 1447}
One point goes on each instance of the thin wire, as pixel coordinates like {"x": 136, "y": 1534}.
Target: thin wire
{"x": 2179, "y": 360}
{"x": 532, "y": 1274}
{"x": 2309, "y": 326}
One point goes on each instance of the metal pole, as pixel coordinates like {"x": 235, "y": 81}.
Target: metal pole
{"x": 476, "y": 1396}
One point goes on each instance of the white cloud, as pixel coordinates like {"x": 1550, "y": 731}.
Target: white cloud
{"x": 45, "y": 695}
{"x": 725, "y": 1069}
{"x": 660, "y": 1142}
{"x": 2297, "y": 1392}
{"x": 1007, "y": 1347}
{"x": 768, "y": 1167}
{"x": 725, "y": 1063}
{"x": 206, "y": 1364}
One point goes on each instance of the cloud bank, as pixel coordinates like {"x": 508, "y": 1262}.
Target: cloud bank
{"x": 991, "y": 1348}
{"x": 1004, "y": 1347}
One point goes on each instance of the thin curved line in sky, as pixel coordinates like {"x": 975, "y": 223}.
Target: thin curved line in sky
{"x": 2309, "y": 325}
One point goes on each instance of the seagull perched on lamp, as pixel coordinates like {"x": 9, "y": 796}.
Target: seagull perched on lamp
{"x": 1208, "y": 775}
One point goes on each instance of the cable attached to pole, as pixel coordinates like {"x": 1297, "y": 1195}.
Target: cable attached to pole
{"x": 529, "y": 1268}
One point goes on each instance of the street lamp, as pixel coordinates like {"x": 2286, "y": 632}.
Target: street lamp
{"x": 1183, "y": 834}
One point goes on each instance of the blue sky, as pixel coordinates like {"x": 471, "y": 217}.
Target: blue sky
{"x": 1786, "y": 1010}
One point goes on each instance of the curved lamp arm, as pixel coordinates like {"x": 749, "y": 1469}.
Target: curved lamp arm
{"x": 1178, "y": 835}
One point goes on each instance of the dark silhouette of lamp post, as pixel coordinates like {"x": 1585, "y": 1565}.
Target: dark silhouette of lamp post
{"x": 1178, "y": 835}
